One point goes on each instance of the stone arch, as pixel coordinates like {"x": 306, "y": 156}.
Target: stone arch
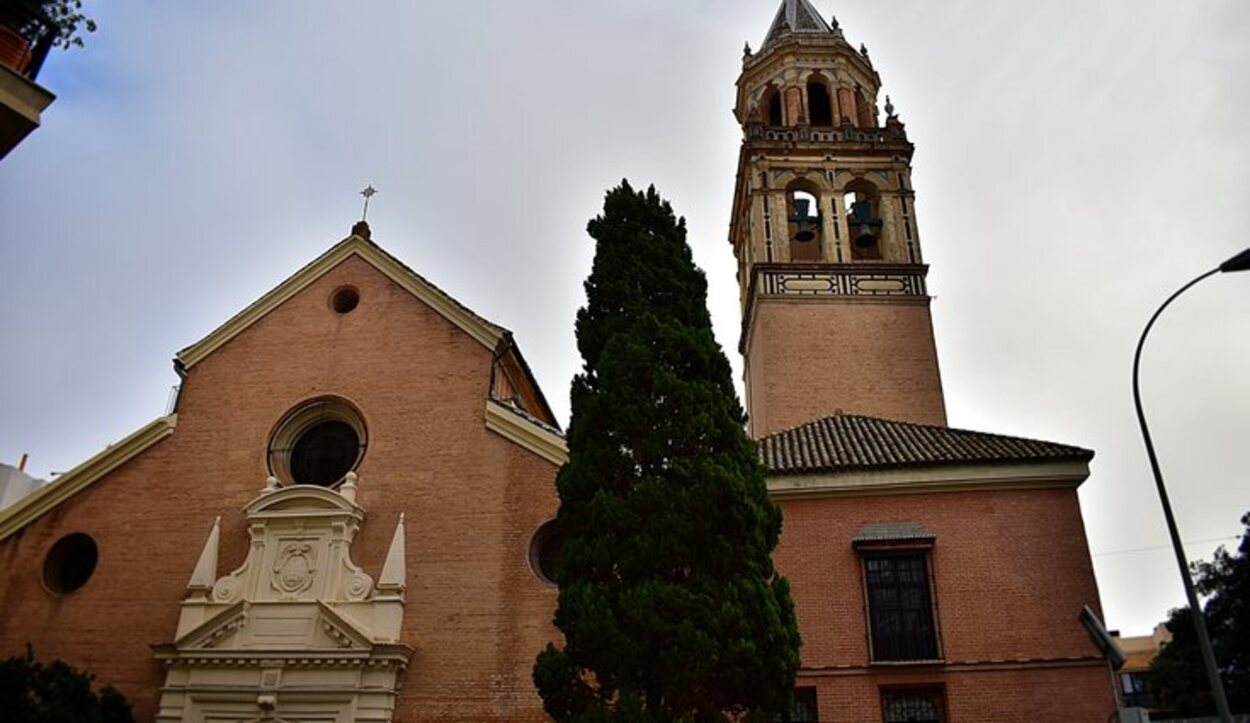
{"x": 318, "y": 441}
{"x": 804, "y": 229}
{"x": 863, "y": 219}
{"x": 820, "y": 103}
{"x": 770, "y": 106}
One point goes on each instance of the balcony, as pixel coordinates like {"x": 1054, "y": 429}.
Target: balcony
{"x": 845, "y": 133}
{"x": 21, "y": 99}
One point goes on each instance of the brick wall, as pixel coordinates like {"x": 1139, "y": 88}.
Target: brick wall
{"x": 807, "y": 359}
{"x": 1073, "y": 694}
{"x": 1011, "y": 571}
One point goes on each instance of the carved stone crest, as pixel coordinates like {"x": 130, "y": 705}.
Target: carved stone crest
{"x": 294, "y": 568}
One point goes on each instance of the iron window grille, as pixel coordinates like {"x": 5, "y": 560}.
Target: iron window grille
{"x": 913, "y": 706}
{"x": 802, "y": 707}
{"x": 900, "y": 607}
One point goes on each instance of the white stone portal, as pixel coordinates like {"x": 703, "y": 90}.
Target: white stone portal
{"x": 298, "y": 631}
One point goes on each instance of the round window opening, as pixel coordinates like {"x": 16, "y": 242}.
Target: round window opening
{"x": 344, "y": 299}
{"x": 545, "y": 551}
{"x": 317, "y": 444}
{"x": 70, "y": 563}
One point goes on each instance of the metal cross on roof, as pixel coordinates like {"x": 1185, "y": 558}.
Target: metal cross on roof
{"x": 367, "y": 193}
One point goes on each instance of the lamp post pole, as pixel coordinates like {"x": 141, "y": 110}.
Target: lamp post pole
{"x": 1240, "y": 262}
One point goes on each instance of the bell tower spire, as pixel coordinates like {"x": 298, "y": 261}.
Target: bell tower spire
{"x": 835, "y": 310}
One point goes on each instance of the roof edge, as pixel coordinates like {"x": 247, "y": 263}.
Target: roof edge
{"x": 483, "y": 331}
{"x": 526, "y": 432}
{"x": 1079, "y": 452}
{"x": 35, "y": 505}
{"x": 1003, "y": 476}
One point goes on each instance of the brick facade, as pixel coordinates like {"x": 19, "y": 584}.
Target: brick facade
{"x": 476, "y": 614}
{"x": 1010, "y": 573}
{"x": 808, "y": 358}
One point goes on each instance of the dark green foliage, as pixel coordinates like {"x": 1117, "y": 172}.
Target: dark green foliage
{"x": 31, "y": 692}
{"x": 669, "y": 604}
{"x": 36, "y": 20}
{"x": 1178, "y": 676}
{"x": 67, "y": 19}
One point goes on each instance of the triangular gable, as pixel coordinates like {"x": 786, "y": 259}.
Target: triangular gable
{"x": 224, "y": 631}
{"x": 492, "y": 336}
{"x": 488, "y": 334}
{"x": 211, "y": 631}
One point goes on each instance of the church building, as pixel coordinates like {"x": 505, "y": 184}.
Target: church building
{"x": 347, "y": 516}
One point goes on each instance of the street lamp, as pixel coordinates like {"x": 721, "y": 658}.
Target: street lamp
{"x": 1240, "y": 262}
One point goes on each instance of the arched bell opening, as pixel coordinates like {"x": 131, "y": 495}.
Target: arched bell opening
{"x": 863, "y": 220}
{"x": 771, "y": 106}
{"x": 819, "y": 105}
{"x": 803, "y": 214}
{"x": 866, "y": 114}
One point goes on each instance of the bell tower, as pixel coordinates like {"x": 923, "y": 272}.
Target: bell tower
{"x": 835, "y": 315}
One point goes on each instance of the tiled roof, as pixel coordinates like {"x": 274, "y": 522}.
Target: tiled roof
{"x": 796, "y": 16}
{"x": 843, "y": 441}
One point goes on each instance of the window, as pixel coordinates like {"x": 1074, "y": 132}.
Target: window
{"x": 545, "y": 551}
{"x": 913, "y": 706}
{"x": 773, "y": 106}
{"x": 802, "y": 707}
{"x": 820, "y": 109}
{"x": 900, "y": 607}
{"x": 1137, "y": 690}
{"x": 70, "y": 563}
{"x": 317, "y": 443}
{"x": 344, "y": 299}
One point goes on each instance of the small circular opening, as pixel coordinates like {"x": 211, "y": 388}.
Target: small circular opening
{"x": 70, "y": 563}
{"x": 545, "y": 551}
{"x": 324, "y": 453}
{"x": 344, "y": 299}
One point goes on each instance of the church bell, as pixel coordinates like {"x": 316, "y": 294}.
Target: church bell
{"x": 864, "y": 226}
{"x": 805, "y": 225}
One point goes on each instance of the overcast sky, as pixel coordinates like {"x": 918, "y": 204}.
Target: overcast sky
{"x": 1076, "y": 162}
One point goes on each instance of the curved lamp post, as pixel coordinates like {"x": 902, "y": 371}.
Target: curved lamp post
{"x": 1240, "y": 262}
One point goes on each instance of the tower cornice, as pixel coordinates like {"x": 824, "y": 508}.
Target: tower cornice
{"x": 848, "y": 283}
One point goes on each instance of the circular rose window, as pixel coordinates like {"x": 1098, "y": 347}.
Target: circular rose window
{"x": 317, "y": 443}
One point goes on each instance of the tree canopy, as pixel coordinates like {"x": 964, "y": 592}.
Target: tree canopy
{"x": 669, "y": 604}
{"x": 31, "y": 692}
{"x": 1177, "y": 673}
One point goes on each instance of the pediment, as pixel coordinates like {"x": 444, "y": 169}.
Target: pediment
{"x": 303, "y": 499}
{"x": 209, "y": 633}
{"x": 311, "y": 627}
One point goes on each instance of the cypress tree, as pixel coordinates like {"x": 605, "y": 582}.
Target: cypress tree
{"x": 669, "y": 604}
